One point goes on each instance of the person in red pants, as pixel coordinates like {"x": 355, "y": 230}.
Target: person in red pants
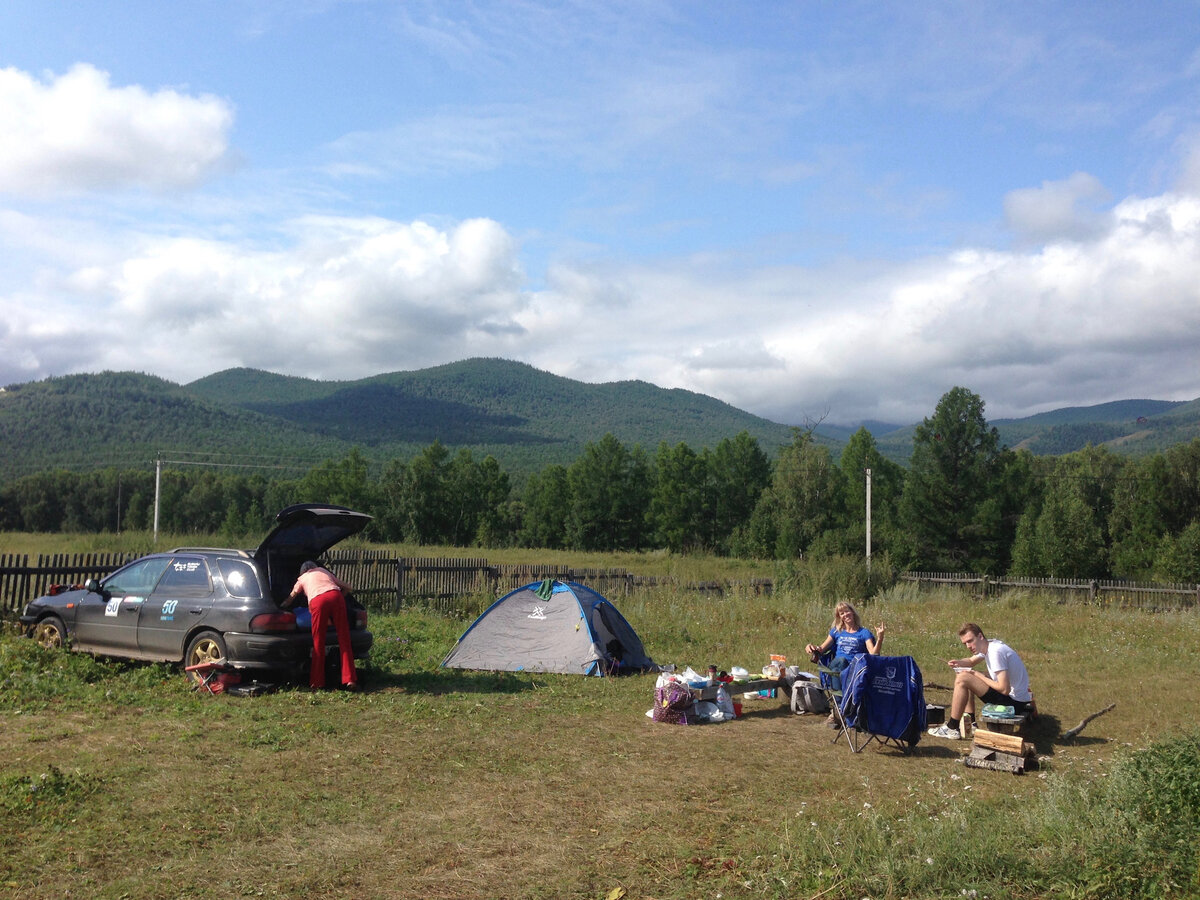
{"x": 327, "y": 602}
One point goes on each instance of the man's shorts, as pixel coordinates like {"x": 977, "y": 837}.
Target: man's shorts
{"x": 994, "y": 696}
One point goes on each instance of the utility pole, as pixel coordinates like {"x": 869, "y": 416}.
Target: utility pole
{"x": 868, "y": 471}
{"x": 157, "y": 485}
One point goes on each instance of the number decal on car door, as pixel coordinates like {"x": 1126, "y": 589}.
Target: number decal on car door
{"x": 168, "y": 610}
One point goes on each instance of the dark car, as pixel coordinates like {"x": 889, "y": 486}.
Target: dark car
{"x": 195, "y": 604}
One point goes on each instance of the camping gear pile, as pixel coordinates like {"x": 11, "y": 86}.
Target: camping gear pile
{"x": 689, "y": 698}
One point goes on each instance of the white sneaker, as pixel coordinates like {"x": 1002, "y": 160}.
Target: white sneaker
{"x": 944, "y": 731}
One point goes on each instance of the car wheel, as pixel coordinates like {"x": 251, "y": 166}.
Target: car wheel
{"x": 50, "y": 633}
{"x": 207, "y": 646}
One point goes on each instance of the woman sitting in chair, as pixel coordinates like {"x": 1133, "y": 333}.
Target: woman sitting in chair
{"x": 847, "y": 638}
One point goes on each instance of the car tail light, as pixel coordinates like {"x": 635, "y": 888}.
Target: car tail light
{"x": 360, "y": 618}
{"x": 273, "y": 621}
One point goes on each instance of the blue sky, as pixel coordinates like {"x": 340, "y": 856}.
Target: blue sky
{"x": 811, "y": 210}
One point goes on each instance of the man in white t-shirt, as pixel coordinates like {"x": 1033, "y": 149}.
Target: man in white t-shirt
{"x": 1006, "y": 682}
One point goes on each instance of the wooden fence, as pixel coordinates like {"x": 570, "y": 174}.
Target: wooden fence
{"x": 386, "y": 583}
{"x": 1147, "y": 595}
{"x": 382, "y": 581}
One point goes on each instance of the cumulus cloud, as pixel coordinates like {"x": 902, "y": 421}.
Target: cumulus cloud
{"x": 1058, "y": 210}
{"x": 1068, "y": 322}
{"x": 78, "y": 132}
{"x": 344, "y": 298}
{"x": 1073, "y": 322}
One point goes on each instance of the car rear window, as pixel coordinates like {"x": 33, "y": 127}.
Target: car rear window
{"x": 186, "y": 574}
{"x": 240, "y": 579}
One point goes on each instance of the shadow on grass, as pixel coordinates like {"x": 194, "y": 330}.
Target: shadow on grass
{"x": 1044, "y": 733}
{"x": 450, "y": 681}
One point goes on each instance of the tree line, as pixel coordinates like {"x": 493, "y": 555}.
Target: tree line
{"x": 964, "y": 503}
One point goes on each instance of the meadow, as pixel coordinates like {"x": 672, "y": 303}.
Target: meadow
{"x": 118, "y": 781}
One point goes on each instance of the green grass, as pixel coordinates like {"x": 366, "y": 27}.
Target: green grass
{"x": 116, "y": 781}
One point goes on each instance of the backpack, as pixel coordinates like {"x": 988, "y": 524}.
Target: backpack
{"x": 807, "y": 697}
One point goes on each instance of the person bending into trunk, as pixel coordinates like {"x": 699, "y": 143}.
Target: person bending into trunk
{"x": 326, "y": 595}
{"x": 1006, "y": 682}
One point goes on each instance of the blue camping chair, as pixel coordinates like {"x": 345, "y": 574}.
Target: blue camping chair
{"x": 830, "y": 682}
{"x": 883, "y": 699}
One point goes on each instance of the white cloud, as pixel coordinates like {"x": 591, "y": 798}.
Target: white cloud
{"x": 1058, "y": 210}
{"x": 77, "y": 132}
{"x": 1072, "y": 322}
{"x": 347, "y": 298}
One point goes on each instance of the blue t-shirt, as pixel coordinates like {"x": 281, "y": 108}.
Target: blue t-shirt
{"x": 850, "y": 643}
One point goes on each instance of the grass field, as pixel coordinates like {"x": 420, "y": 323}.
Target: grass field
{"x": 116, "y": 781}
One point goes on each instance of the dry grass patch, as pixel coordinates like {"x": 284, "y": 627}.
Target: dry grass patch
{"x": 460, "y": 785}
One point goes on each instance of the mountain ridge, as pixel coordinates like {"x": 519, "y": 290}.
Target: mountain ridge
{"x": 525, "y": 417}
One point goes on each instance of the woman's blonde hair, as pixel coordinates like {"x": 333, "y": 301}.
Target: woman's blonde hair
{"x": 837, "y": 617}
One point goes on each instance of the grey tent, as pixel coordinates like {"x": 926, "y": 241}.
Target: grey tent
{"x": 551, "y": 626}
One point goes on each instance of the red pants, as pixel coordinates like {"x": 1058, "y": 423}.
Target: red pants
{"x": 326, "y": 607}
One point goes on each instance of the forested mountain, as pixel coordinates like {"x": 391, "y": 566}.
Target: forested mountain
{"x": 124, "y": 419}
{"x": 525, "y": 418}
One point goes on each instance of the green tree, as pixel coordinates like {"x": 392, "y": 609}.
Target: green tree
{"x": 738, "y": 471}
{"x": 1067, "y": 534}
{"x": 802, "y": 507}
{"x": 547, "y": 509}
{"x": 341, "y": 482}
{"x": 949, "y": 507}
{"x": 1178, "y": 557}
{"x": 610, "y": 495}
{"x": 678, "y": 503}
{"x": 416, "y": 509}
{"x": 887, "y": 484}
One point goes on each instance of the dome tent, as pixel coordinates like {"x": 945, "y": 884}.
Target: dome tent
{"x": 551, "y": 626}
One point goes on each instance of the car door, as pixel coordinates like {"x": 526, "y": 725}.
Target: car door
{"x": 108, "y": 621}
{"x": 182, "y": 597}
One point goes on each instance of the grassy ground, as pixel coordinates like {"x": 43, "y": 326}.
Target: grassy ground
{"x": 116, "y": 781}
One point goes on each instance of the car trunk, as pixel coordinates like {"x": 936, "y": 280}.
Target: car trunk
{"x": 303, "y": 532}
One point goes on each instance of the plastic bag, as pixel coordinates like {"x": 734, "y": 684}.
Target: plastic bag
{"x": 725, "y": 702}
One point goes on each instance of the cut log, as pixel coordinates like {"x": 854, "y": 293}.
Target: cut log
{"x": 1070, "y": 733}
{"x": 1007, "y": 743}
{"x": 985, "y": 758}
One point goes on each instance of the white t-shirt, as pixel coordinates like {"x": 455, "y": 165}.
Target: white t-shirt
{"x": 1003, "y": 658}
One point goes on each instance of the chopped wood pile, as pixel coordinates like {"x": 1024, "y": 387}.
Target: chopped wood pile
{"x": 1002, "y": 752}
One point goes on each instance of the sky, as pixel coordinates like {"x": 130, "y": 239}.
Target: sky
{"x": 814, "y": 211}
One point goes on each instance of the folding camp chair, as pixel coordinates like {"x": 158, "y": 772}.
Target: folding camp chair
{"x": 883, "y": 699}
{"x": 831, "y": 683}
{"x": 207, "y": 673}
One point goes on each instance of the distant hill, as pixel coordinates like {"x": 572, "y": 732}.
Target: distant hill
{"x": 525, "y": 417}
{"x": 1131, "y": 427}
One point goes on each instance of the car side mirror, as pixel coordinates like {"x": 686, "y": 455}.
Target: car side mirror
{"x": 92, "y": 585}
